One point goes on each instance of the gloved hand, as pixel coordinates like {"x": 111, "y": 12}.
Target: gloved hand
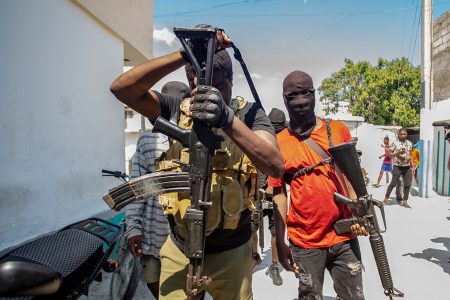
{"x": 208, "y": 106}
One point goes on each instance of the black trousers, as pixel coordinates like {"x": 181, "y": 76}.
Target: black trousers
{"x": 406, "y": 174}
{"x": 343, "y": 261}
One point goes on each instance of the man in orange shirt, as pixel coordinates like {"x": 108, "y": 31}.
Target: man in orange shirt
{"x": 314, "y": 245}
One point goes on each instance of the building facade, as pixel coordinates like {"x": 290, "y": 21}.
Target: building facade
{"x": 437, "y": 110}
{"x": 60, "y": 125}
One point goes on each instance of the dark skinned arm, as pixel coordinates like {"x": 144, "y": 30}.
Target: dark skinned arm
{"x": 260, "y": 146}
{"x": 133, "y": 89}
{"x": 280, "y": 214}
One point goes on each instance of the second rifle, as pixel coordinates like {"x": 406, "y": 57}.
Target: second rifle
{"x": 363, "y": 210}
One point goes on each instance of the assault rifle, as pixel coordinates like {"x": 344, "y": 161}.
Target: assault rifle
{"x": 202, "y": 143}
{"x": 262, "y": 204}
{"x": 363, "y": 211}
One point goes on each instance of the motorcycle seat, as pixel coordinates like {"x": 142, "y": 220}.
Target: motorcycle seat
{"x": 73, "y": 253}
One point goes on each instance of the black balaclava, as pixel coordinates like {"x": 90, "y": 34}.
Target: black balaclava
{"x": 299, "y": 98}
{"x": 278, "y": 119}
{"x": 176, "y": 89}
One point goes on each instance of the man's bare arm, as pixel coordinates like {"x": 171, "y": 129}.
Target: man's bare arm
{"x": 132, "y": 87}
{"x": 280, "y": 214}
{"x": 260, "y": 146}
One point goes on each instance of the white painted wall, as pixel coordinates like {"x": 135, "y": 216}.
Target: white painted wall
{"x": 59, "y": 124}
{"x": 370, "y": 138}
{"x": 439, "y": 111}
{"x": 131, "y": 139}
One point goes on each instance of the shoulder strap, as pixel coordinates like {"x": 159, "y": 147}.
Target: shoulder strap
{"x": 316, "y": 148}
{"x": 330, "y": 138}
{"x": 322, "y": 153}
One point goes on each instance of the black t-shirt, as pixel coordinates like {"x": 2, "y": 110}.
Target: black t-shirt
{"x": 256, "y": 119}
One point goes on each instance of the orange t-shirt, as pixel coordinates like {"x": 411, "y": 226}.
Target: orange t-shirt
{"x": 312, "y": 210}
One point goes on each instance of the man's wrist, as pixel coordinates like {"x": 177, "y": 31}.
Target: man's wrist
{"x": 229, "y": 118}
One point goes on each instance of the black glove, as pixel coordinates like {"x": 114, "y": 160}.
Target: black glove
{"x": 209, "y": 107}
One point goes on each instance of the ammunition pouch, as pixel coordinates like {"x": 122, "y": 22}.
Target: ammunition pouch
{"x": 234, "y": 182}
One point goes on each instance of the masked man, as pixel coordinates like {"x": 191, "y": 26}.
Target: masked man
{"x": 314, "y": 245}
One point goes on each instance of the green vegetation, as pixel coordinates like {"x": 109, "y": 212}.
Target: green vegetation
{"x": 385, "y": 94}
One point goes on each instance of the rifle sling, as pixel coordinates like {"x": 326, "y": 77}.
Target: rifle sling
{"x": 322, "y": 153}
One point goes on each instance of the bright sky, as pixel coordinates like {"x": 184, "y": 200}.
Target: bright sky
{"x": 278, "y": 36}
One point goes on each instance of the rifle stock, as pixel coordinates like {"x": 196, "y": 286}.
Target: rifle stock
{"x": 346, "y": 157}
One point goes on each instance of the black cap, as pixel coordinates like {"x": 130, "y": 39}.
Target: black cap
{"x": 278, "y": 119}
{"x": 176, "y": 89}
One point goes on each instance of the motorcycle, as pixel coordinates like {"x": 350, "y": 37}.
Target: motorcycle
{"x": 63, "y": 264}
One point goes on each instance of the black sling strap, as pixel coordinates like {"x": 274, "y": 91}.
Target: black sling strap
{"x": 326, "y": 159}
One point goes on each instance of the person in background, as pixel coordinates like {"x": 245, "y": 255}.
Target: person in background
{"x": 415, "y": 160}
{"x": 386, "y": 166}
{"x": 401, "y": 153}
{"x": 447, "y": 137}
{"x": 278, "y": 121}
{"x": 147, "y": 227}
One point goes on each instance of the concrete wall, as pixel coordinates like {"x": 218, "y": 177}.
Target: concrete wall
{"x": 131, "y": 139}
{"x": 440, "y": 111}
{"x": 441, "y": 57}
{"x": 370, "y": 138}
{"x": 131, "y": 20}
{"x": 59, "y": 124}
{"x": 440, "y": 107}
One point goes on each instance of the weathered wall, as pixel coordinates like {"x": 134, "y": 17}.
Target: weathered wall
{"x": 441, "y": 57}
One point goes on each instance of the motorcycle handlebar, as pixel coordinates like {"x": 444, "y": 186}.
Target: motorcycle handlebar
{"x": 116, "y": 174}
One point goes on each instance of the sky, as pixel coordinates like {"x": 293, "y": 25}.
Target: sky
{"x": 279, "y": 36}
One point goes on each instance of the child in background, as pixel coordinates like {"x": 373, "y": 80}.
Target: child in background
{"x": 386, "y": 166}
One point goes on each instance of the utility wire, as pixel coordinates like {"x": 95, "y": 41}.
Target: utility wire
{"x": 413, "y": 31}
{"x": 404, "y": 28}
{"x": 417, "y": 33}
{"x": 246, "y": 15}
{"x": 194, "y": 12}
{"x": 288, "y": 46}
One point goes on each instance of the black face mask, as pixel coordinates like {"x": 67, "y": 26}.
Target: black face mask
{"x": 299, "y": 98}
